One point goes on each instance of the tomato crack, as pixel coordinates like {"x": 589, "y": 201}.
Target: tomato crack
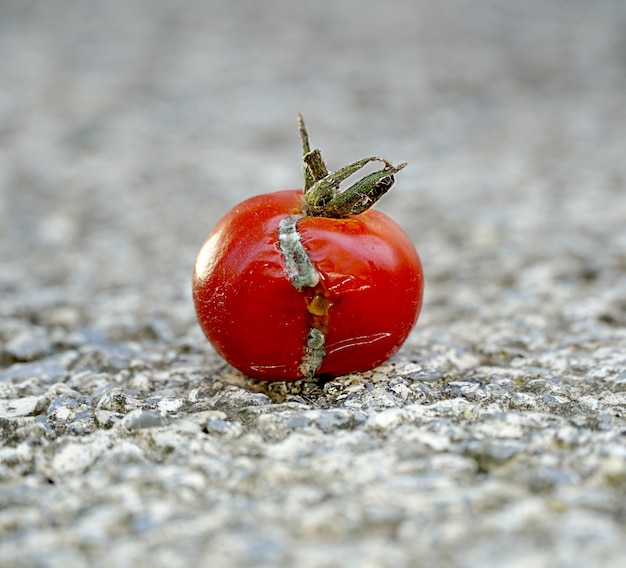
{"x": 298, "y": 265}
{"x": 314, "y": 353}
{"x": 303, "y": 275}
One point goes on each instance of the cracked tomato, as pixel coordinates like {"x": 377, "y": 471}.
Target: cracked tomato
{"x": 299, "y": 283}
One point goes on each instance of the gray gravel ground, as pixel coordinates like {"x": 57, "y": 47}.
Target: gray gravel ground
{"x": 497, "y": 437}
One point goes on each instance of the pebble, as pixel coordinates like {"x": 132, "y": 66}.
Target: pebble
{"x": 27, "y": 347}
{"x": 14, "y": 408}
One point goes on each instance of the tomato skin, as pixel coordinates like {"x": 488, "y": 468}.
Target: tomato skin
{"x": 246, "y": 305}
{"x": 373, "y": 279}
{"x": 371, "y": 286}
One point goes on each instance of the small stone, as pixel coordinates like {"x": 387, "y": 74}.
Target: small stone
{"x": 140, "y": 419}
{"x": 494, "y": 453}
{"x": 469, "y": 390}
{"x": 523, "y": 401}
{"x": 400, "y": 389}
{"x": 116, "y": 400}
{"x": 613, "y": 469}
{"x": 171, "y": 405}
{"x": 61, "y": 316}
{"x": 329, "y": 420}
{"x": 106, "y": 419}
{"x": 385, "y": 420}
{"x": 28, "y": 347}
{"x": 217, "y": 423}
{"x": 298, "y": 421}
{"x": 47, "y": 370}
{"x": 547, "y": 478}
{"x": 26, "y": 406}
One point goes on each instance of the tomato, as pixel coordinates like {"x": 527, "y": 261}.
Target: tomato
{"x": 283, "y": 292}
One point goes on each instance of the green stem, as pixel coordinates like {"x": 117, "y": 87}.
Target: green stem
{"x": 321, "y": 188}
{"x": 315, "y": 166}
{"x": 306, "y": 149}
{"x": 363, "y": 194}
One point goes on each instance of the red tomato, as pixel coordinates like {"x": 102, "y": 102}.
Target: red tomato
{"x": 356, "y": 306}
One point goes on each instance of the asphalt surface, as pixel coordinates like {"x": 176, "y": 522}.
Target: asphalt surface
{"x": 496, "y": 437}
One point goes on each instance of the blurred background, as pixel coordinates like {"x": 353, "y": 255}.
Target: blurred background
{"x": 127, "y": 128}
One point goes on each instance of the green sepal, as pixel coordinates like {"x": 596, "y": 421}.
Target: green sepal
{"x": 322, "y": 195}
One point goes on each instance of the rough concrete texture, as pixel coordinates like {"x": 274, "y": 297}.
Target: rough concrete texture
{"x": 496, "y": 437}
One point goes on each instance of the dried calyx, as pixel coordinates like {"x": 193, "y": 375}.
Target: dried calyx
{"x": 322, "y": 196}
